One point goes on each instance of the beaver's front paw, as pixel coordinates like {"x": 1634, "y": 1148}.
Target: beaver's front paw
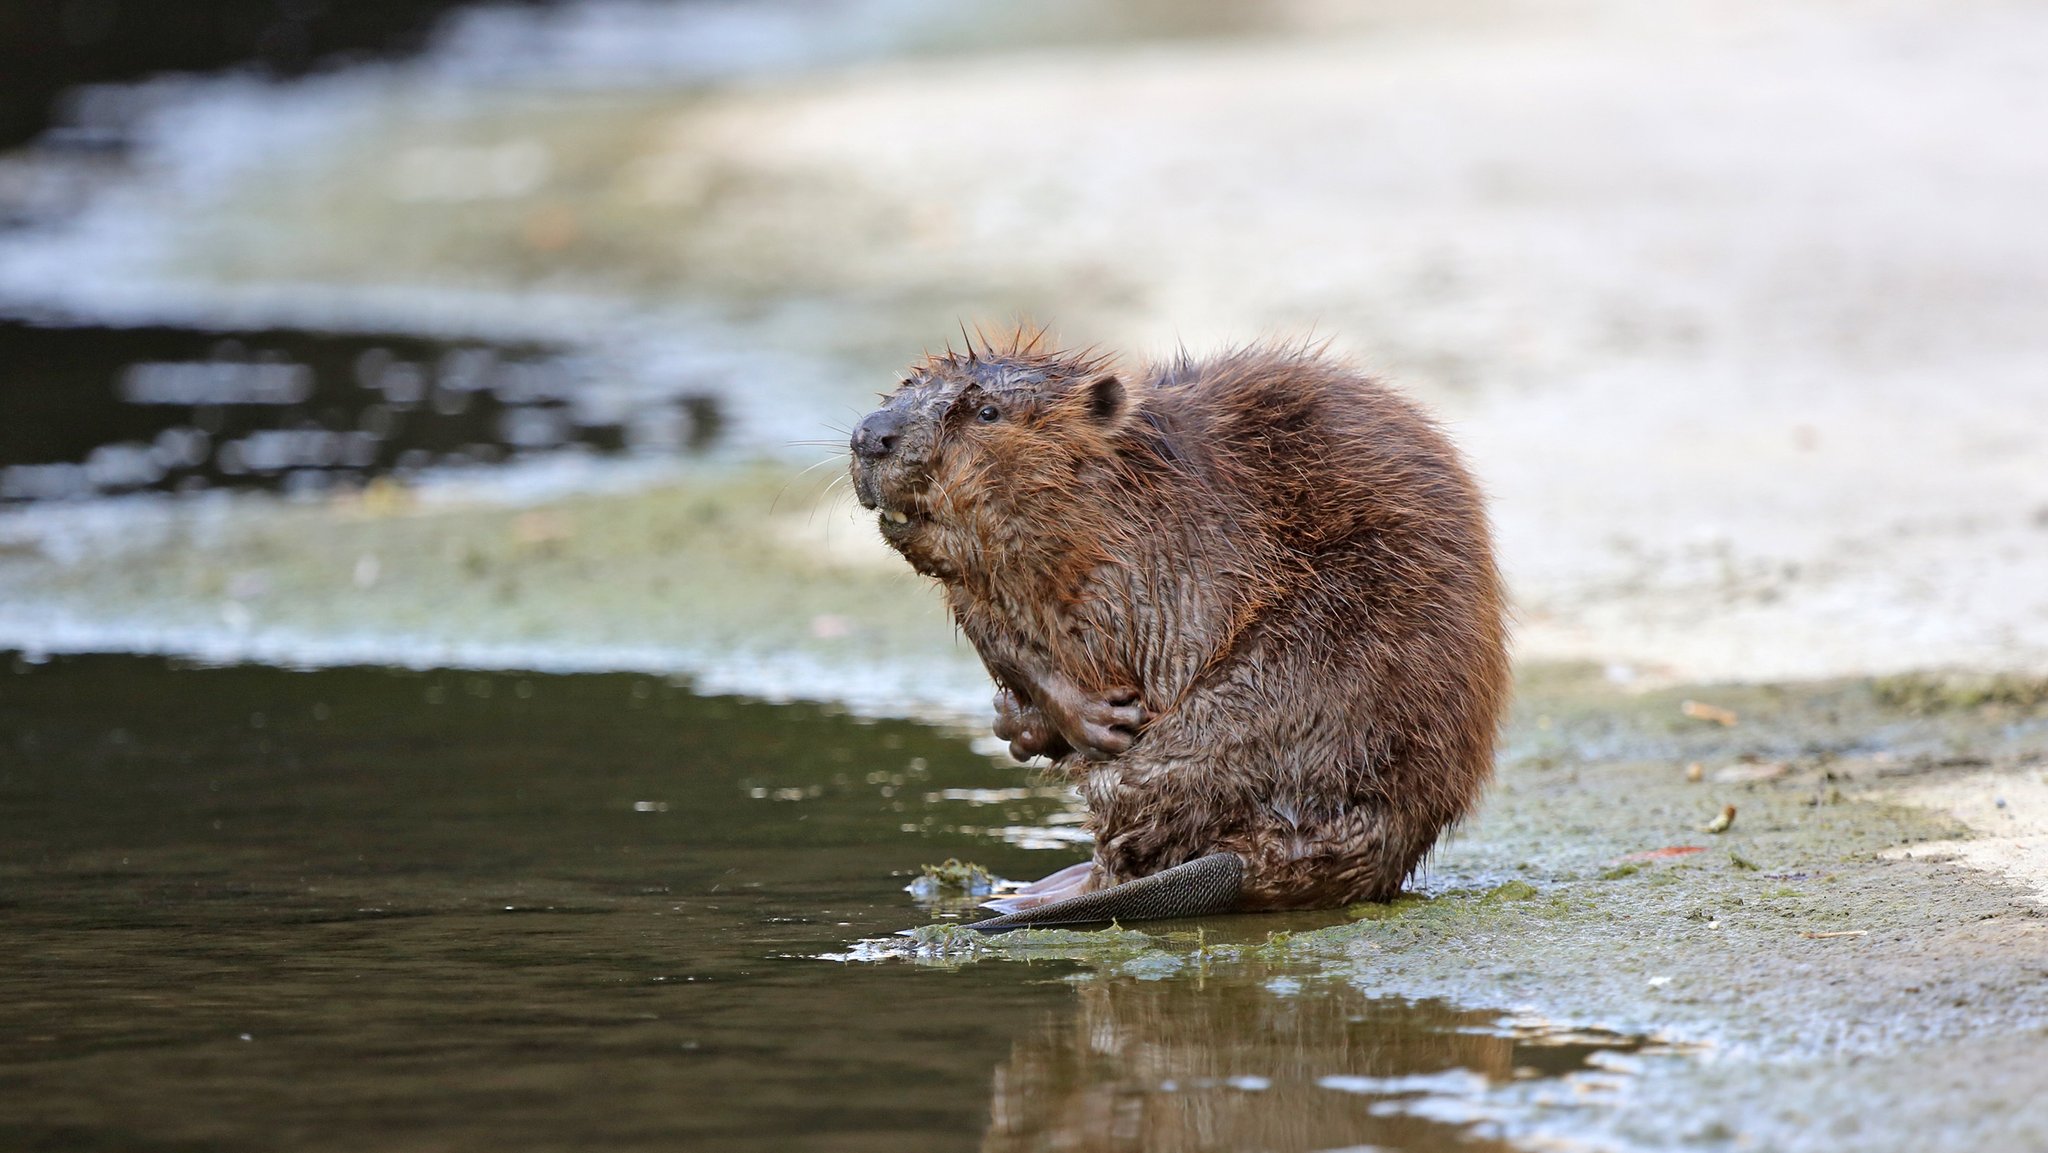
{"x": 1100, "y": 727}
{"x": 1027, "y": 729}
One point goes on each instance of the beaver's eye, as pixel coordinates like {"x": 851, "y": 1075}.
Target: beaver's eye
{"x": 989, "y": 414}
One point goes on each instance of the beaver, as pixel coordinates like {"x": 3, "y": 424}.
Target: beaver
{"x": 1247, "y": 603}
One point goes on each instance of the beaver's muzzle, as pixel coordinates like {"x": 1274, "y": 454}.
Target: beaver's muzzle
{"x": 874, "y": 444}
{"x": 875, "y": 437}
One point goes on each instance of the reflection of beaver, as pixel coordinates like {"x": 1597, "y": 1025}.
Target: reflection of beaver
{"x": 1248, "y": 603}
{"x": 1144, "y": 1065}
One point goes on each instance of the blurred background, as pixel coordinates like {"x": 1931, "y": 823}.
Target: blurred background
{"x": 372, "y": 360}
{"x": 1737, "y": 307}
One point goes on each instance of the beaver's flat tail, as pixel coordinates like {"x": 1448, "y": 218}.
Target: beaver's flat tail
{"x": 1208, "y": 884}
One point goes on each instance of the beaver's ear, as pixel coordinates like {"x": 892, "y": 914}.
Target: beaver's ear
{"x": 1107, "y": 399}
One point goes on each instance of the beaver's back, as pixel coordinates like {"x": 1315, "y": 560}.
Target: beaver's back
{"x": 1373, "y": 664}
{"x": 1321, "y": 456}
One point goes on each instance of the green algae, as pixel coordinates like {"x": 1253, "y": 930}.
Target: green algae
{"x": 1378, "y": 911}
{"x": 1927, "y": 693}
{"x": 721, "y": 571}
{"x": 955, "y": 877}
{"x": 1510, "y": 891}
{"x": 951, "y": 943}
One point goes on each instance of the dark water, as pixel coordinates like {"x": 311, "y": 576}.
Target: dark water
{"x": 49, "y": 46}
{"x": 90, "y": 411}
{"x": 248, "y": 908}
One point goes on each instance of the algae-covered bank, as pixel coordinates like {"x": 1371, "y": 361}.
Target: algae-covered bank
{"x": 447, "y": 701}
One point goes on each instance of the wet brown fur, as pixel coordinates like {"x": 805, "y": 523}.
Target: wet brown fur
{"x": 1284, "y": 562}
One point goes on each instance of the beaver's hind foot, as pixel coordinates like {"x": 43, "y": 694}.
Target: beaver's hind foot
{"x": 1205, "y": 885}
{"x": 1071, "y": 881}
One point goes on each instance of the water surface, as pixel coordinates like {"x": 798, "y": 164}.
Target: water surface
{"x": 253, "y": 908}
{"x": 96, "y": 411}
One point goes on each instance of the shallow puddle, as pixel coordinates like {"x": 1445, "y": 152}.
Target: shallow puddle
{"x": 255, "y": 908}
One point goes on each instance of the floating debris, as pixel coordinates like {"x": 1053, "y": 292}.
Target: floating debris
{"x": 954, "y": 878}
{"x": 1702, "y": 711}
{"x": 1751, "y": 771}
{"x": 1663, "y": 854}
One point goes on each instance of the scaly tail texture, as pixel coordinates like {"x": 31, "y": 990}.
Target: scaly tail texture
{"x": 1205, "y": 885}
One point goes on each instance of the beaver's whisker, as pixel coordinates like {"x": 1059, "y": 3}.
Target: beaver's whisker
{"x": 826, "y": 493}
{"x": 808, "y": 470}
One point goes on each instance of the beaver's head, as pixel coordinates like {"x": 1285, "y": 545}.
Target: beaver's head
{"x": 969, "y": 461}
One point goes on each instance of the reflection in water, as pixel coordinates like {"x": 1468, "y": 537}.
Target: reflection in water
{"x": 1253, "y": 1060}
{"x": 356, "y": 909}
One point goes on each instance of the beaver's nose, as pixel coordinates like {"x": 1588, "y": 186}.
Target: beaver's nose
{"x": 875, "y": 436}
